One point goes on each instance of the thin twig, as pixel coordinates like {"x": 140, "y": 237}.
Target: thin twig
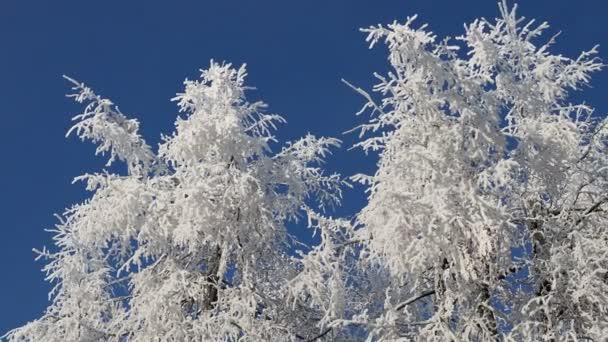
{"x": 414, "y": 299}
{"x": 320, "y": 335}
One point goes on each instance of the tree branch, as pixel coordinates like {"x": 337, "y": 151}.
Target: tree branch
{"x": 414, "y": 299}
{"x": 325, "y": 332}
{"x": 591, "y": 209}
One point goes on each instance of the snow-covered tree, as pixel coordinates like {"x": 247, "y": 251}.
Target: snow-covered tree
{"x": 487, "y": 214}
{"x": 190, "y": 244}
{"x": 486, "y": 218}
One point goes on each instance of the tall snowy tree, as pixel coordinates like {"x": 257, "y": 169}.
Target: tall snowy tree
{"x": 487, "y": 213}
{"x": 191, "y": 243}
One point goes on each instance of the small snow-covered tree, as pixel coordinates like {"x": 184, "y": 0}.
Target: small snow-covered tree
{"x": 191, "y": 243}
{"x": 487, "y": 214}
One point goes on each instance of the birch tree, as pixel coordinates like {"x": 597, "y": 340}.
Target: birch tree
{"x": 190, "y": 244}
{"x": 487, "y": 213}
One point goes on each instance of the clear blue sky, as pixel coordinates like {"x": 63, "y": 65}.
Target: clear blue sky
{"x": 138, "y": 53}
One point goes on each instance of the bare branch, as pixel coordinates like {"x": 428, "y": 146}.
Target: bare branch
{"x": 414, "y": 299}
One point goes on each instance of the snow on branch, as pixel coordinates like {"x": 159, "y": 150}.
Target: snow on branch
{"x": 104, "y": 124}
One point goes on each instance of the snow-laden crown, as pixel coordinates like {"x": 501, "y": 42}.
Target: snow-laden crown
{"x": 485, "y": 208}
{"x": 191, "y": 243}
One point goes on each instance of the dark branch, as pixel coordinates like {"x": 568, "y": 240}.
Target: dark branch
{"x": 414, "y": 299}
{"x": 591, "y": 209}
{"x": 325, "y": 332}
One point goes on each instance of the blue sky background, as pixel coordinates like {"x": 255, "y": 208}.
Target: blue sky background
{"x": 138, "y": 53}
